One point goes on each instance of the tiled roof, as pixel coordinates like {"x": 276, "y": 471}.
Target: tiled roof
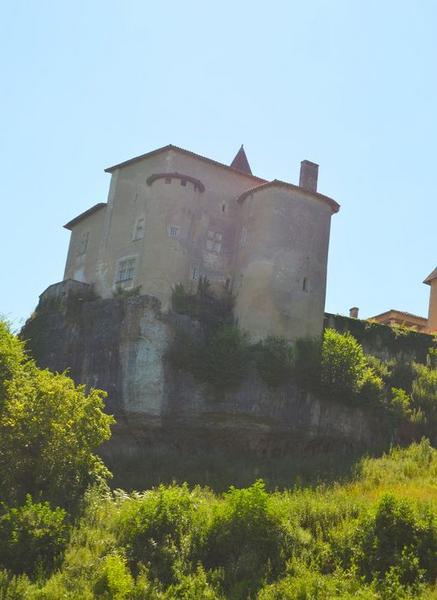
{"x": 83, "y": 215}
{"x": 335, "y": 207}
{"x": 240, "y": 162}
{"x": 402, "y": 313}
{"x": 431, "y": 276}
{"x": 188, "y": 153}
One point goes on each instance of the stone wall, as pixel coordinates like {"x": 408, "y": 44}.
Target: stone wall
{"x": 119, "y": 345}
{"x": 383, "y": 341}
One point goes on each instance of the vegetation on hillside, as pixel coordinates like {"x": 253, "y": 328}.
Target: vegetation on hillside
{"x": 65, "y": 535}
{"x": 335, "y": 368}
{"x": 372, "y": 538}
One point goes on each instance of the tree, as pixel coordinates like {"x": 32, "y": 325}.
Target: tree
{"x": 49, "y": 430}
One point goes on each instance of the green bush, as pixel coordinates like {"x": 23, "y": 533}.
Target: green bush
{"x": 248, "y": 541}
{"x": 307, "y": 363}
{"x": 221, "y": 360}
{"x": 203, "y": 305}
{"x": 394, "y": 536}
{"x": 424, "y": 395}
{"x": 14, "y": 587}
{"x": 114, "y": 581}
{"x": 32, "y": 536}
{"x": 225, "y": 359}
{"x": 161, "y": 529}
{"x": 274, "y": 360}
{"x": 343, "y": 366}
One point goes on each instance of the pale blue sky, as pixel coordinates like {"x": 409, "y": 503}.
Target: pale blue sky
{"x": 350, "y": 85}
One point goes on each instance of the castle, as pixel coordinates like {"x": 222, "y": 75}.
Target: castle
{"x": 173, "y": 216}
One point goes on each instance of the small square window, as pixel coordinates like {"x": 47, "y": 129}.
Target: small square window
{"x": 209, "y": 245}
{"x": 210, "y": 234}
{"x": 173, "y": 231}
{"x": 218, "y": 237}
{"x": 217, "y": 247}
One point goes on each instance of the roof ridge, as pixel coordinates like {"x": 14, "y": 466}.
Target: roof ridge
{"x": 183, "y": 150}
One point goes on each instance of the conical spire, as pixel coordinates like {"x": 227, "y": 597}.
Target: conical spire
{"x": 240, "y": 162}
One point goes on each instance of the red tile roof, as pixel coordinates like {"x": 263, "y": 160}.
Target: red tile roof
{"x": 240, "y": 162}
{"x": 431, "y": 276}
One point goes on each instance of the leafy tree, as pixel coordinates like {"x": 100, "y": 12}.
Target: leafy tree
{"x": 345, "y": 371}
{"x": 49, "y": 430}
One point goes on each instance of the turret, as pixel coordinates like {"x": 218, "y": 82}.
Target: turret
{"x": 280, "y": 274}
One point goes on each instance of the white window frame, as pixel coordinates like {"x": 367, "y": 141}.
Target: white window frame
{"x": 135, "y": 232}
{"x": 126, "y": 282}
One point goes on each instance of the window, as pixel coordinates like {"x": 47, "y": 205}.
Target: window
{"x": 223, "y": 207}
{"x": 83, "y": 242}
{"x": 195, "y": 273}
{"x": 305, "y": 284}
{"x": 139, "y": 229}
{"x": 126, "y": 270}
{"x": 213, "y": 243}
{"x": 183, "y": 182}
{"x": 173, "y": 231}
{"x": 243, "y": 237}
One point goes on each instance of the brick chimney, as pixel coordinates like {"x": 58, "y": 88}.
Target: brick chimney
{"x": 353, "y": 312}
{"x": 309, "y": 172}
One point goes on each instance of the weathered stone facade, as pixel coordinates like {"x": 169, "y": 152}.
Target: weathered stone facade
{"x": 119, "y": 345}
{"x": 173, "y": 216}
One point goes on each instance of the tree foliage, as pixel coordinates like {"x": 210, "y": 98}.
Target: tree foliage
{"x": 49, "y": 431}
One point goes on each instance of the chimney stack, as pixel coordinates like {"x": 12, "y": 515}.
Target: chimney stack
{"x": 309, "y": 172}
{"x": 353, "y": 312}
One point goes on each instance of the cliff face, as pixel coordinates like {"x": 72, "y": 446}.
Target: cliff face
{"x": 119, "y": 345}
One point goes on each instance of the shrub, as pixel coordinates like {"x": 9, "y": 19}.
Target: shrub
{"x": 160, "y": 529}
{"x": 273, "y": 360}
{"x": 114, "y": 581}
{"x": 211, "y": 310}
{"x": 343, "y": 365}
{"x": 307, "y": 363}
{"x": 394, "y": 536}
{"x": 225, "y": 358}
{"x": 424, "y": 394}
{"x": 33, "y": 537}
{"x": 14, "y": 587}
{"x": 247, "y": 540}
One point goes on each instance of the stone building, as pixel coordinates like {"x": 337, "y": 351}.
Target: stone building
{"x": 173, "y": 216}
{"x": 406, "y": 319}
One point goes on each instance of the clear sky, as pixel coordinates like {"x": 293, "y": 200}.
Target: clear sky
{"x": 351, "y": 85}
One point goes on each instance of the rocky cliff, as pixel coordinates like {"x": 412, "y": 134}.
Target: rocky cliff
{"x": 120, "y": 345}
